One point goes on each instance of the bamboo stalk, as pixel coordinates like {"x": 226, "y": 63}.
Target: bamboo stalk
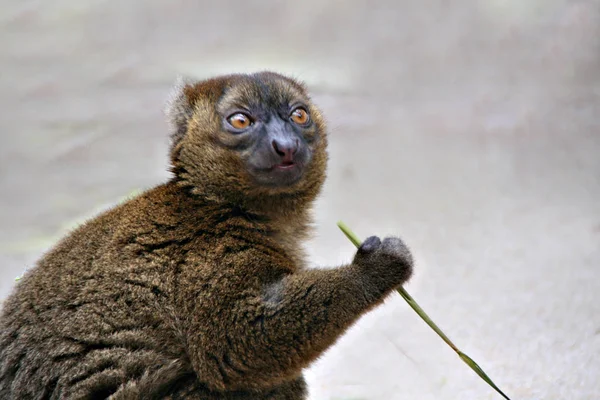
{"x": 413, "y": 304}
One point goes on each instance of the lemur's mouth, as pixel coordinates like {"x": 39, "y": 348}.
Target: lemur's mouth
{"x": 280, "y": 172}
{"x": 283, "y": 174}
{"x": 285, "y": 165}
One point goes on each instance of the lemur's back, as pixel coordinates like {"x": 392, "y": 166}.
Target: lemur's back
{"x": 86, "y": 316}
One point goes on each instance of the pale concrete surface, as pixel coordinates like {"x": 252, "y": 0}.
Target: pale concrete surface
{"x": 472, "y": 129}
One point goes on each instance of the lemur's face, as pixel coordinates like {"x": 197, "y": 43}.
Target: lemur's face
{"x": 268, "y": 123}
{"x": 252, "y": 135}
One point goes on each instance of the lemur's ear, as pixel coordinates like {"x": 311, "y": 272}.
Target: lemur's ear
{"x": 179, "y": 109}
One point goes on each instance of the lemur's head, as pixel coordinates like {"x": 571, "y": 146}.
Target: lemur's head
{"x": 252, "y": 140}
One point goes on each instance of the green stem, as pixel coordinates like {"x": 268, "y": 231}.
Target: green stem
{"x": 413, "y": 304}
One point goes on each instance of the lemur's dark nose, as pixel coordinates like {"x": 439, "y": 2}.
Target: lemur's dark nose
{"x": 285, "y": 149}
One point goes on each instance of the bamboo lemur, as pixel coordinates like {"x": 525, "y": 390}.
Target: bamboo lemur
{"x": 197, "y": 289}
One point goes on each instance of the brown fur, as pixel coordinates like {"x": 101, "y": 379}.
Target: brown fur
{"x": 196, "y": 289}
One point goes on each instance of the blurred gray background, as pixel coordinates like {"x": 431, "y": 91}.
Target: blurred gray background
{"x": 470, "y": 128}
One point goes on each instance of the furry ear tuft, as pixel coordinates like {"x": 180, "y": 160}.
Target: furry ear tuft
{"x": 179, "y": 109}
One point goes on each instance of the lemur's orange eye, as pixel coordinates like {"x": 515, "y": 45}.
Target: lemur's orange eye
{"x": 300, "y": 116}
{"x": 239, "y": 121}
